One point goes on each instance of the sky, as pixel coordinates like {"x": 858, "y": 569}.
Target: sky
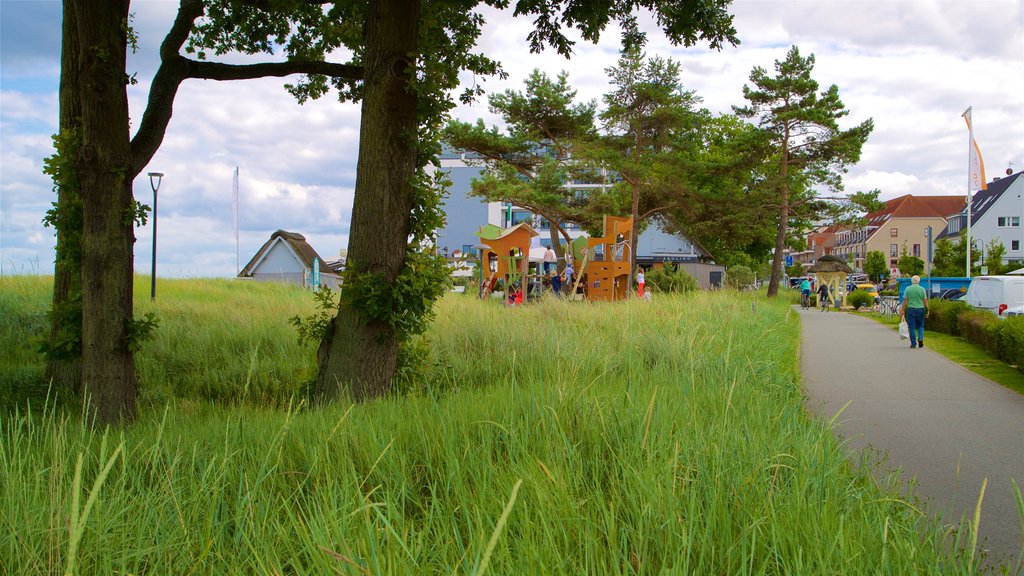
{"x": 914, "y": 66}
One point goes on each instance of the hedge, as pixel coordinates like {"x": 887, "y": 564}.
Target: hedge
{"x": 1003, "y": 338}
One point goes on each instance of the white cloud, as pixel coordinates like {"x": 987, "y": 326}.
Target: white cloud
{"x": 912, "y": 66}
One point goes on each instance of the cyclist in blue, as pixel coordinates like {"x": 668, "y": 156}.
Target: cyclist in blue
{"x": 805, "y": 292}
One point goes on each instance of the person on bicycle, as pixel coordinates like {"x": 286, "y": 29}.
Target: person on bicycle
{"x": 805, "y": 292}
{"x": 823, "y": 296}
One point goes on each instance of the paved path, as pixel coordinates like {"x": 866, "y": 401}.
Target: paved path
{"x": 939, "y": 423}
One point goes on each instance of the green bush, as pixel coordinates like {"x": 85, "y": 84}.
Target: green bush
{"x": 1011, "y": 341}
{"x": 739, "y": 276}
{"x": 671, "y": 278}
{"x": 980, "y": 328}
{"x": 944, "y": 315}
{"x": 859, "y": 298}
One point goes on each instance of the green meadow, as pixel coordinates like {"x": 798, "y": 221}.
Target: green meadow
{"x": 661, "y": 437}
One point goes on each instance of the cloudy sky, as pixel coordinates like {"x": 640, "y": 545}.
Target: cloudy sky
{"x": 913, "y": 66}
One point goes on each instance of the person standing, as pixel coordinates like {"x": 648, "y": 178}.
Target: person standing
{"x": 549, "y": 260}
{"x": 640, "y": 282}
{"x": 556, "y": 283}
{"x": 568, "y": 273}
{"x": 915, "y": 309}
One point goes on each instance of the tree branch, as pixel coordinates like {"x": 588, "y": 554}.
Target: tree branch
{"x": 174, "y": 68}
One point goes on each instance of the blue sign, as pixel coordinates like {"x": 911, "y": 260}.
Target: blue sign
{"x": 316, "y": 273}
{"x": 789, "y": 259}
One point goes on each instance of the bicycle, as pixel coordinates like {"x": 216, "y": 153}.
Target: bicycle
{"x": 825, "y": 301}
{"x": 805, "y": 300}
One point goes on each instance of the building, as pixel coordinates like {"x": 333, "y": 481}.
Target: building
{"x": 996, "y": 215}
{"x": 288, "y": 258}
{"x": 900, "y": 225}
{"x": 466, "y": 214}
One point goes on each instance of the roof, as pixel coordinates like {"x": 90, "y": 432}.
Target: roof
{"x": 982, "y": 200}
{"x": 298, "y": 245}
{"x": 910, "y": 206}
{"x": 830, "y": 263}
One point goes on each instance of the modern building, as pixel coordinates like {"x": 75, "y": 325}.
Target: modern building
{"x": 996, "y": 214}
{"x": 900, "y": 225}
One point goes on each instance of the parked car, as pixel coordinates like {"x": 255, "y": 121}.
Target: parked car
{"x": 996, "y": 293}
{"x": 951, "y": 294}
{"x": 1016, "y": 311}
{"x": 869, "y": 288}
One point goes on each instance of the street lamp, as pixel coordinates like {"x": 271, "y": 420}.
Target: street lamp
{"x": 154, "y": 183}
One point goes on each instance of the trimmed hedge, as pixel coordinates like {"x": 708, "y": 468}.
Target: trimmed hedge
{"x": 944, "y": 314}
{"x": 1011, "y": 341}
{"x": 981, "y": 328}
{"x": 1003, "y": 338}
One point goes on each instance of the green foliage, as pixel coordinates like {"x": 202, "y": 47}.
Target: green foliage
{"x": 859, "y": 298}
{"x": 950, "y": 258}
{"x": 796, "y": 270}
{"x": 314, "y": 327}
{"x": 876, "y": 266}
{"x": 993, "y": 257}
{"x": 910, "y": 265}
{"x": 944, "y": 315}
{"x": 670, "y": 279}
{"x": 140, "y": 330}
{"x": 981, "y": 328}
{"x": 1011, "y": 341}
{"x": 739, "y": 277}
{"x": 805, "y": 150}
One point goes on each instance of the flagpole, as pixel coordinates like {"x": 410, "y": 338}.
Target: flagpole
{"x": 235, "y": 191}
{"x": 970, "y": 167}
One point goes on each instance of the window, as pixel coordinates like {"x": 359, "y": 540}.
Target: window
{"x": 1015, "y": 245}
{"x": 1008, "y": 221}
{"x": 917, "y": 250}
{"x": 894, "y": 249}
{"x": 894, "y": 232}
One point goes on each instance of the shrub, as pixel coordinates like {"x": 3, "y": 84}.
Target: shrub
{"x": 944, "y": 315}
{"x": 1011, "y": 341}
{"x": 981, "y": 328}
{"x": 671, "y": 278}
{"x": 739, "y": 276}
{"x": 859, "y": 298}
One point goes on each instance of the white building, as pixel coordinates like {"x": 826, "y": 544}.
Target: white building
{"x": 996, "y": 214}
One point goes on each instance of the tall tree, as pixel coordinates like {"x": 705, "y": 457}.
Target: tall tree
{"x": 531, "y": 161}
{"x": 378, "y": 276}
{"x": 92, "y": 322}
{"x": 876, "y": 265}
{"x": 405, "y": 92}
{"x": 808, "y": 149}
{"x": 652, "y": 136}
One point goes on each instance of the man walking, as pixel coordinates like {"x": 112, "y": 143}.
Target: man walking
{"x": 915, "y": 308}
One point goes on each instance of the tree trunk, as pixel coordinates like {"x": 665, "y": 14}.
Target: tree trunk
{"x": 108, "y": 364}
{"x": 65, "y": 373}
{"x": 556, "y": 245}
{"x": 780, "y": 234}
{"x": 359, "y": 355}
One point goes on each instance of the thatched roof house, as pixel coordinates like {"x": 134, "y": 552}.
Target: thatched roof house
{"x": 287, "y": 257}
{"x": 830, "y": 263}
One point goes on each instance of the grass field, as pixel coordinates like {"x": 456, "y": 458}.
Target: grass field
{"x": 663, "y": 437}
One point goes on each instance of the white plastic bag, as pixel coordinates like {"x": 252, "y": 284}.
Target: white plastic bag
{"x": 904, "y": 330}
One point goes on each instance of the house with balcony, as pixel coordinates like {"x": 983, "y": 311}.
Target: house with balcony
{"x": 996, "y": 214}
{"x": 901, "y": 224}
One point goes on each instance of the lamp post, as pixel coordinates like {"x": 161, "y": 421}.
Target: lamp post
{"x": 154, "y": 183}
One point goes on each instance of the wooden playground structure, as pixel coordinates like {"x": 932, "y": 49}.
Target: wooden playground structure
{"x": 604, "y": 261}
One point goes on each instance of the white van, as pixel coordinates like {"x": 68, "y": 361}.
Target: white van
{"x": 996, "y": 293}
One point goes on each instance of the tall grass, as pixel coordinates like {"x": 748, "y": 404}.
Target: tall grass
{"x": 663, "y": 437}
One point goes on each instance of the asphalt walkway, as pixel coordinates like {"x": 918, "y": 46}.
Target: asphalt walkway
{"x": 937, "y": 422}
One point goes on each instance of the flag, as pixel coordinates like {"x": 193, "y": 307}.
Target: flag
{"x": 976, "y": 164}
